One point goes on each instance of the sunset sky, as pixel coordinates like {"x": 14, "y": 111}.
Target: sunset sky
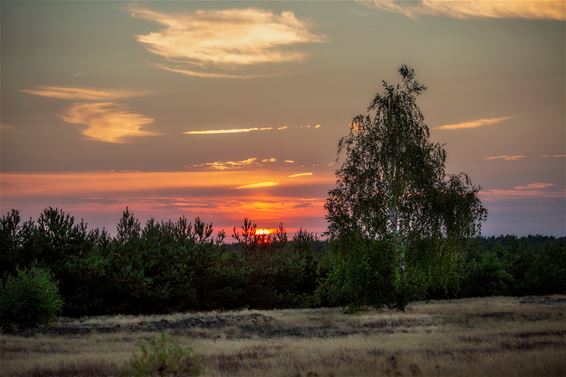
{"x": 226, "y": 110}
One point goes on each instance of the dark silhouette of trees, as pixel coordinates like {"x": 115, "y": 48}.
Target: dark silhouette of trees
{"x": 164, "y": 266}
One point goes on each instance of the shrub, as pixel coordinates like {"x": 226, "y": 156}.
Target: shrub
{"x": 360, "y": 272}
{"x": 163, "y": 356}
{"x": 29, "y": 299}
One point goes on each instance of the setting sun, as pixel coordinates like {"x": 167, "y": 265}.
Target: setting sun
{"x": 263, "y": 231}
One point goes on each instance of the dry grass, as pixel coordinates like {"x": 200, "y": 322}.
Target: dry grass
{"x": 497, "y": 336}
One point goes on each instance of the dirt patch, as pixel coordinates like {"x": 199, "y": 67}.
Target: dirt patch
{"x": 543, "y": 300}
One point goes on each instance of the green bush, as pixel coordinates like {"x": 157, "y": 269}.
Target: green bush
{"x": 163, "y": 356}
{"x": 29, "y": 299}
{"x": 360, "y": 272}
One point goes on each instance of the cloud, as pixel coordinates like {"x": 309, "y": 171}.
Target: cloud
{"x": 239, "y": 164}
{"x": 5, "y": 126}
{"x": 474, "y": 123}
{"x": 530, "y": 9}
{"x": 244, "y": 130}
{"x": 535, "y": 190}
{"x": 209, "y": 75}
{"x": 213, "y": 43}
{"x": 228, "y": 131}
{"x": 553, "y": 155}
{"x": 107, "y": 121}
{"x": 506, "y": 157}
{"x": 534, "y": 186}
{"x": 299, "y": 175}
{"x": 86, "y": 94}
{"x": 258, "y": 185}
{"x": 289, "y": 161}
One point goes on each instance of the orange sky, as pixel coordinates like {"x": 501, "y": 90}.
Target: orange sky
{"x": 224, "y": 197}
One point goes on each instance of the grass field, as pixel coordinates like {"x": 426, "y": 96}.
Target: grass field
{"x": 497, "y": 336}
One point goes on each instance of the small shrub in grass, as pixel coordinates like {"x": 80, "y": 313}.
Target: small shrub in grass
{"x": 163, "y": 356}
{"x": 28, "y": 299}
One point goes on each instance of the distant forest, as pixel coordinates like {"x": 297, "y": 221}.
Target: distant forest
{"x": 168, "y": 266}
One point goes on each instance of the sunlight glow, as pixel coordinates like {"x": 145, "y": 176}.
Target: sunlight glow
{"x": 210, "y": 195}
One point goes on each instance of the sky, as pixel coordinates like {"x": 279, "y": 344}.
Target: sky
{"x": 227, "y": 110}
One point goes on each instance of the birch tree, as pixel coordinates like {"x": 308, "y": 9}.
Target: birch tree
{"x": 392, "y": 183}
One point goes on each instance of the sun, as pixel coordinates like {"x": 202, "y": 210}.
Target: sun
{"x": 262, "y": 231}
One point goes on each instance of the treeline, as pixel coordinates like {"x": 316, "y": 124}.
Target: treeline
{"x": 167, "y": 266}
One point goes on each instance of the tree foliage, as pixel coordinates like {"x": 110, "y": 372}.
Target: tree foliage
{"x": 28, "y": 299}
{"x": 393, "y": 181}
{"x": 163, "y": 267}
{"x": 392, "y": 195}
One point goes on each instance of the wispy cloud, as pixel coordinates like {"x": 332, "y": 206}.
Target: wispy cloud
{"x": 213, "y": 43}
{"x": 5, "y": 126}
{"x": 210, "y": 75}
{"x": 107, "y": 121}
{"x": 553, "y": 155}
{"x": 258, "y": 185}
{"x": 506, "y": 157}
{"x": 474, "y": 123}
{"x": 237, "y": 164}
{"x": 244, "y": 130}
{"x": 534, "y": 186}
{"x": 530, "y": 9}
{"x": 534, "y": 190}
{"x": 289, "y": 161}
{"x": 299, "y": 175}
{"x": 228, "y": 131}
{"x": 83, "y": 94}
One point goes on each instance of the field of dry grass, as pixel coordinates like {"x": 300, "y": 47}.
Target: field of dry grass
{"x": 497, "y": 336}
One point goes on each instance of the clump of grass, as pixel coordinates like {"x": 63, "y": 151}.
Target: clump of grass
{"x": 163, "y": 356}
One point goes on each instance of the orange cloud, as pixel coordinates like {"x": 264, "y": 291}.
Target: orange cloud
{"x": 239, "y": 164}
{"x": 299, "y": 175}
{"x": 553, "y": 155}
{"x": 258, "y": 185}
{"x": 474, "y": 123}
{"x": 228, "y": 131}
{"x": 107, "y": 121}
{"x": 224, "y": 39}
{"x": 244, "y": 130}
{"x": 530, "y": 9}
{"x": 506, "y": 157}
{"x": 87, "y": 94}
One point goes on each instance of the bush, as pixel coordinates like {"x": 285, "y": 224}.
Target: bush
{"x": 29, "y": 299}
{"x": 360, "y": 272}
{"x": 163, "y": 356}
